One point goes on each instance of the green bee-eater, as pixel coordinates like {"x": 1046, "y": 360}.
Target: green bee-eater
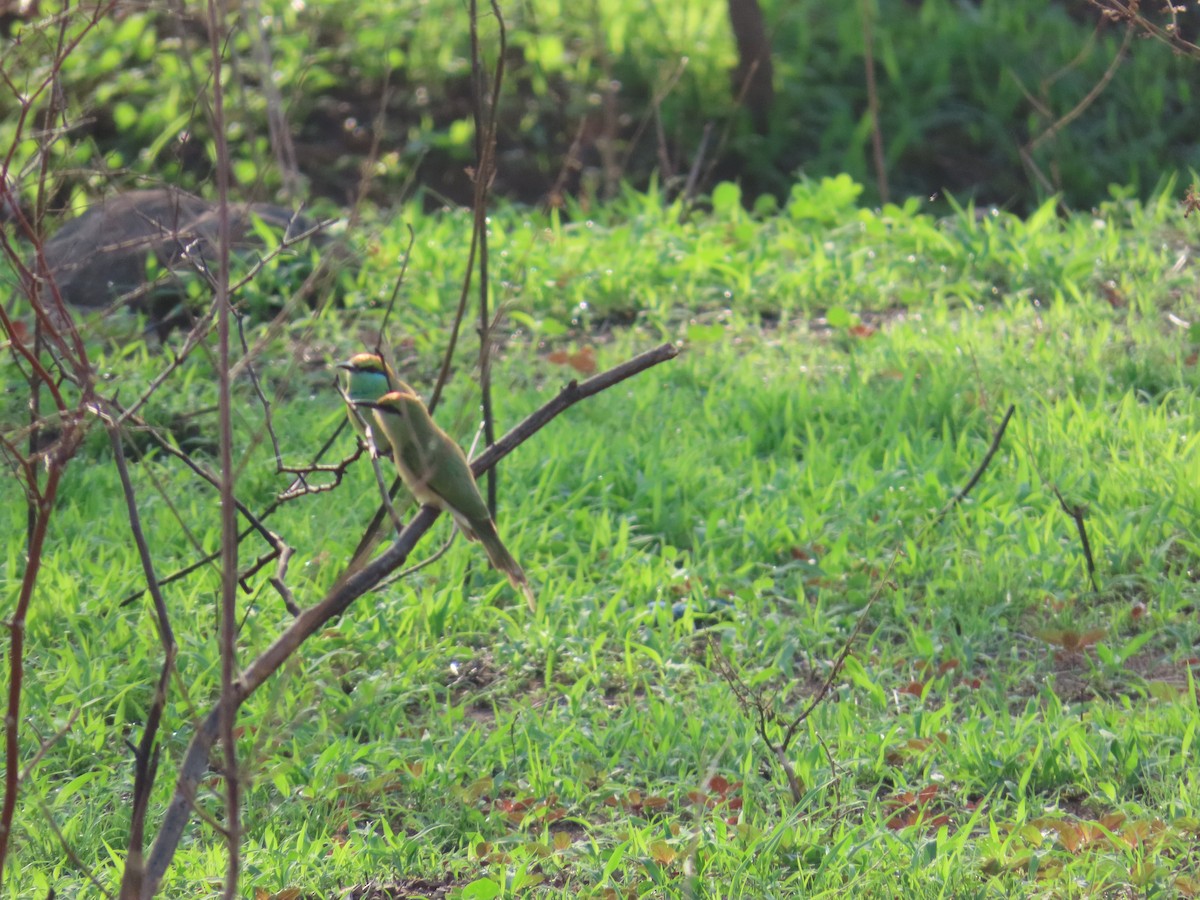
{"x": 369, "y": 378}
{"x": 436, "y": 471}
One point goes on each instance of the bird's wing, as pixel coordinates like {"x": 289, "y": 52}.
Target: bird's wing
{"x": 456, "y": 486}
{"x": 439, "y": 463}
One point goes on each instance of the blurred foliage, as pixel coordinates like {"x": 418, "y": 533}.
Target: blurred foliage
{"x": 614, "y": 88}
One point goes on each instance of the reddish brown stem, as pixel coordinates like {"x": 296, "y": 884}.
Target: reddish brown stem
{"x": 16, "y": 658}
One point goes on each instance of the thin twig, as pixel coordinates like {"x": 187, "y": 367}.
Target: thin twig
{"x": 727, "y": 131}
{"x": 752, "y": 702}
{"x": 570, "y": 394}
{"x": 248, "y": 365}
{"x": 653, "y": 111}
{"x": 371, "y": 537}
{"x": 72, "y": 856}
{"x": 485, "y": 145}
{"x": 689, "y": 188}
{"x": 48, "y": 743}
{"x": 195, "y": 337}
{"x": 405, "y": 573}
{"x": 412, "y": 239}
{"x": 27, "y": 772}
{"x": 279, "y": 546}
{"x": 1089, "y": 98}
{"x": 146, "y": 751}
{"x": 1077, "y": 512}
{"x": 311, "y": 619}
{"x": 987, "y": 458}
{"x": 298, "y": 488}
{"x": 379, "y": 480}
{"x": 866, "y": 14}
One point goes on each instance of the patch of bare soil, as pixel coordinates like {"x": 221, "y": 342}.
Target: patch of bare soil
{"x": 405, "y": 889}
{"x": 419, "y": 888}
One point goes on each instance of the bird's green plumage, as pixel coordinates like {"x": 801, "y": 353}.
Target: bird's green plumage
{"x": 369, "y": 377}
{"x": 437, "y": 472}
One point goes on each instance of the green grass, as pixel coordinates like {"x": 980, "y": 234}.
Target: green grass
{"x": 1002, "y": 730}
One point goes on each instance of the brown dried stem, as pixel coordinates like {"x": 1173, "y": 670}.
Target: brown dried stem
{"x": 346, "y": 591}
{"x": 227, "y": 707}
{"x": 146, "y": 753}
{"x": 1078, "y": 512}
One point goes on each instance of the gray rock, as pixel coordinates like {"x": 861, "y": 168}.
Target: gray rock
{"x": 101, "y": 257}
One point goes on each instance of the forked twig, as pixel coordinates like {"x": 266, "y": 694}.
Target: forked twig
{"x": 311, "y": 619}
{"x": 1090, "y": 97}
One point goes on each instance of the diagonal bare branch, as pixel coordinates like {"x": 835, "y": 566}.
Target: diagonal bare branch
{"x": 346, "y": 591}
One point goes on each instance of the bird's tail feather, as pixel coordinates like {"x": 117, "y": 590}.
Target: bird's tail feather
{"x": 503, "y": 560}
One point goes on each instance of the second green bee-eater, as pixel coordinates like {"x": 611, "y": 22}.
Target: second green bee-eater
{"x": 369, "y": 377}
{"x": 437, "y": 472}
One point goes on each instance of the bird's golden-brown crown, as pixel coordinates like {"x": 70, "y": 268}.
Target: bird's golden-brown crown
{"x": 364, "y": 362}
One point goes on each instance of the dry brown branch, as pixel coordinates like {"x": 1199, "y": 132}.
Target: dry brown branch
{"x": 485, "y": 152}
{"x": 1129, "y": 11}
{"x": 41, "y": 469}
{"x": 298, "y": 488}
{"x": 227, "y": 708}
{"x": 280, "y": 548}
{"x": 146, "y": 752}
{"x": 346, "y": 591}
